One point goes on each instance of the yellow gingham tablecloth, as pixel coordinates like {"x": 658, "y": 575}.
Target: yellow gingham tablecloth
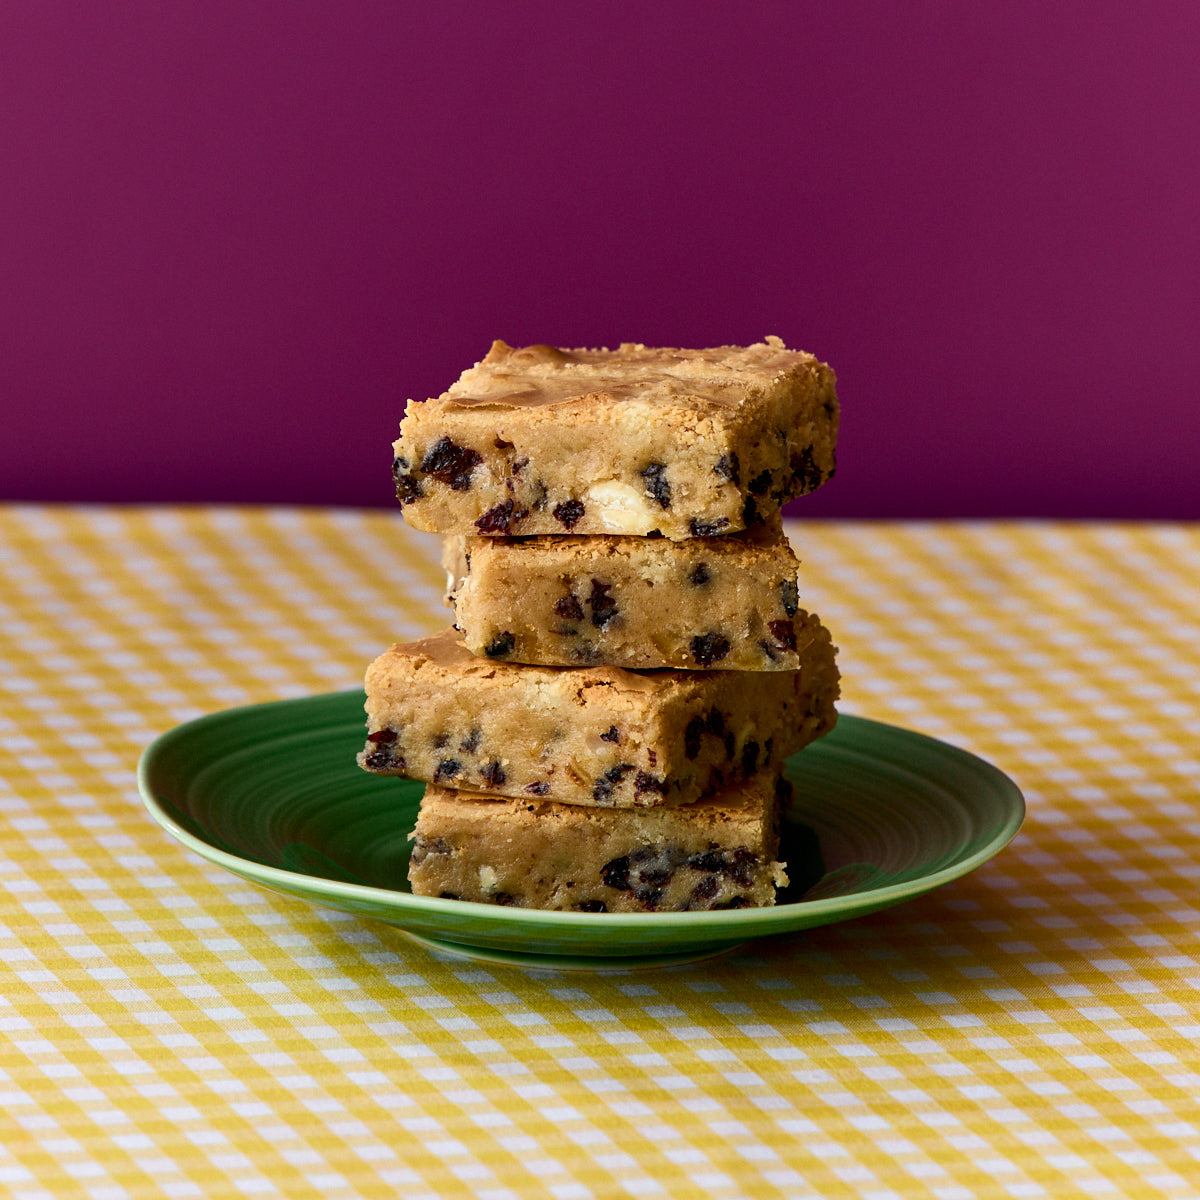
{"x": 1031, "y": 1030}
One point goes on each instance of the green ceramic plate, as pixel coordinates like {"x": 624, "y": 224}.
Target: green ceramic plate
{"x": 272, "y": 793}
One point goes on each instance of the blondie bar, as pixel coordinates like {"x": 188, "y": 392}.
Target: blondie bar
{"x": 729, "y": 603}
{"x": 683, "y": 443}
{"x": 590, "y": 735}
{"x": 716, "y": 853}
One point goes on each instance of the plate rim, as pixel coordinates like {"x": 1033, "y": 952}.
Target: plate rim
{"x": 730, "y": 924}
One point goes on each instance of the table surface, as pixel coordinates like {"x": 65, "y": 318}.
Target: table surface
{"x": 1030, "y": 1030}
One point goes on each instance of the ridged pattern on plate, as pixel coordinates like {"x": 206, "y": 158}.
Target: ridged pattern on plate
{"x": 272, "y": 793}
{"x": 883, "y": 816}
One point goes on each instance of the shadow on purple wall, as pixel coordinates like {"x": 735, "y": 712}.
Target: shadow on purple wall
{"x": 234, "y": 238}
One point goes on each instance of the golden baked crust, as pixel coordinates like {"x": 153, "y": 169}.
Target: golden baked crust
{"x": 539, "y": 376}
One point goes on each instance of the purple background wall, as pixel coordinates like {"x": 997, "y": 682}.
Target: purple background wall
{"x": 235, "y": 237}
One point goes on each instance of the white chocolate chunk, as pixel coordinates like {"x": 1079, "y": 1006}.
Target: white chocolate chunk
{"x": 620, "y": 507}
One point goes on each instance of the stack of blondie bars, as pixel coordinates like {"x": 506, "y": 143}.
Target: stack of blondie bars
{"x": 605, "y": 726}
